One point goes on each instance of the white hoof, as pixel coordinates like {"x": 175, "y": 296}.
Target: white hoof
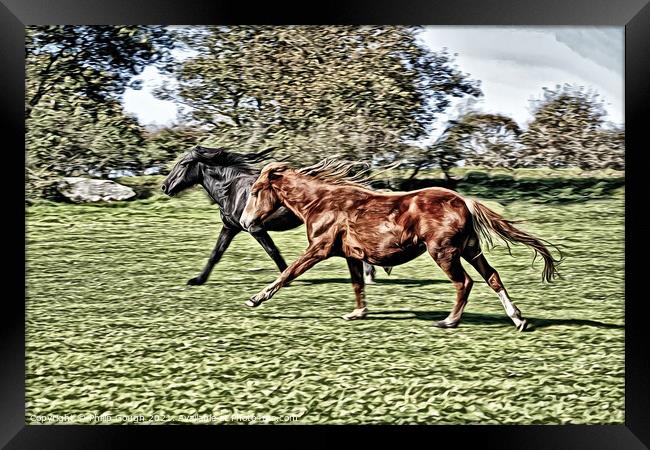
{"x": 369, "y": 280}
{"x": 357, "y": 314}
{"x": 251, "y": 303}
{"x": 522, "y": 326}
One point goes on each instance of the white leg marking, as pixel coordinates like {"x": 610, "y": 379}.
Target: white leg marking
{"x": 357, "y": 313}
{"x": 263, "y": 295}
{"x": 507, "y": 303}
{"x": 512, "y": 311}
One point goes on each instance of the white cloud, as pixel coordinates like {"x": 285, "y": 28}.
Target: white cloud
{"x": 148, "y": 109}
{"x": 514, "y": 63}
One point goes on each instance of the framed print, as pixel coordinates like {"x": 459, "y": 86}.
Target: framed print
{"x": 207, "y": 183}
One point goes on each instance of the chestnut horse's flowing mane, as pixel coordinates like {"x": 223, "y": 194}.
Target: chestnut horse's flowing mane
{"x": 340, "y": 172}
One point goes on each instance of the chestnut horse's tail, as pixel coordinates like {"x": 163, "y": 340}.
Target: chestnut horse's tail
{"x": 485, "y": 221}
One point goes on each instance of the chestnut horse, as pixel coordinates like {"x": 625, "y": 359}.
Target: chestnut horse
{"x": 345, "y": 218}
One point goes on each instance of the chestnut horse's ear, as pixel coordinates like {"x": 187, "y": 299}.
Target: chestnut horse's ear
{"x": 275, "y": 170}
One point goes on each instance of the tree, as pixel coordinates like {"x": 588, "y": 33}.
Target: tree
{"x": 94, "y": 64}
{"x": 474, "y": 138}
{"x": 489, "y": 140}
{"x": 569, "y": 130}
{"x": 62, "y": 141}
{"x": 360, "y": 92}
{"x": 75, "y": 123}
{"x": 163, "y": 145}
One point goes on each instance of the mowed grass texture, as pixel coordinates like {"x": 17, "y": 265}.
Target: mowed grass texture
{"x": 114, "y": 335}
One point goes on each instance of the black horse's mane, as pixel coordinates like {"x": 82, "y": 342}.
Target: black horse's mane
{"x": 229, "y": 167}
{"x": 221, "y": 157}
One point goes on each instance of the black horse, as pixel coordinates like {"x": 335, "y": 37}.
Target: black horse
{"x": 227, "y": 177}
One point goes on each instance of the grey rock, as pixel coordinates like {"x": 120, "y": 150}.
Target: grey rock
{"x": 151, "y": 171}
{"x": 85, "y": 190}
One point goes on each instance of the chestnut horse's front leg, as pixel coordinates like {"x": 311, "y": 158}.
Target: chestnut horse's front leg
{"x": 314, "y": 253}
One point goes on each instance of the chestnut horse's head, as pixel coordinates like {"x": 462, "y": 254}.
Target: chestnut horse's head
{"x": 263, "y": 199}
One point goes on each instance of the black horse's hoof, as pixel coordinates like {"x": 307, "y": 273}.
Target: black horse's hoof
{"x": 196, "y": 281}
{"x": 445, "y": 324}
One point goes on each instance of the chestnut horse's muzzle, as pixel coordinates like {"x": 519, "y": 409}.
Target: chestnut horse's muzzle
{"x": 249, "y": 224}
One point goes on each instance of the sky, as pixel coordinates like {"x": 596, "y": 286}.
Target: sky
{"x": 513, "y": 64}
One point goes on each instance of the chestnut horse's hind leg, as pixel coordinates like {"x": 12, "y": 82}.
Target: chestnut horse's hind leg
{"x": 492, "y": 277}
{"x": 357, "y": 274}
{"x": 450, "y": 264}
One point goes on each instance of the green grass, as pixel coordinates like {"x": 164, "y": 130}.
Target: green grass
{"x": 112, "y": 329}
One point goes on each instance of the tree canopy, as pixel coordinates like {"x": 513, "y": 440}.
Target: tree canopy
{"x": 354, "y": 91}
{"x": 76, "y": 75}
{"x": 569, "y": 130}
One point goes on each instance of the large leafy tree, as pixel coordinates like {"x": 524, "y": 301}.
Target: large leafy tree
{"x": 312, "y": 90}
{"x": 475, "y": 138}
{"x": 63, "y": 141}
{"x": 76, "y": 75}
{"x": 91, "y": 64}
{"x": 484, "y": 139}
{"x": 569, "y": 130}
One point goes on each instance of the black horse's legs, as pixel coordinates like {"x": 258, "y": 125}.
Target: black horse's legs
{"x": 357, "y": 272}
{"x": 492, "y": 277}
{"x": 225, "y": 238}
{"x": 269, "y": 246}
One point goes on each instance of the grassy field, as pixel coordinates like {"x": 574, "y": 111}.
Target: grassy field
{"x": 115, "y": 336}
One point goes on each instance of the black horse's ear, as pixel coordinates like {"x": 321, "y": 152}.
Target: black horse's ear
{"x": 204, "y": 154}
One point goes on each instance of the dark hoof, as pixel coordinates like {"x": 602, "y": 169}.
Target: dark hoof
{"x": 445, "y": 324}
{"x": 197, "y": 281}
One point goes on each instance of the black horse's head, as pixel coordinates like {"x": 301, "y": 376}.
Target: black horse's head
{"x": 185, "y": 173}
{"x": 200, "y": 162}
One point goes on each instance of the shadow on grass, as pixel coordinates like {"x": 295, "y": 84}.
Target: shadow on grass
{"x": 468, "y": 319}
{"x": 402, "y": 281}
{"x": 341, "y": 280}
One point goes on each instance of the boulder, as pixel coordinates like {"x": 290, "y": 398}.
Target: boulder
{"x": 85, "y": 190}
{"x": 151, "y": 171}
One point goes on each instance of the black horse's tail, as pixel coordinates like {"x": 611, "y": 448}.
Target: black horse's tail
{"x": 486, "y": 221}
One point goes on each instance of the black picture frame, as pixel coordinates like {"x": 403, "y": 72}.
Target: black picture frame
{"x": 634, "y": 15}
